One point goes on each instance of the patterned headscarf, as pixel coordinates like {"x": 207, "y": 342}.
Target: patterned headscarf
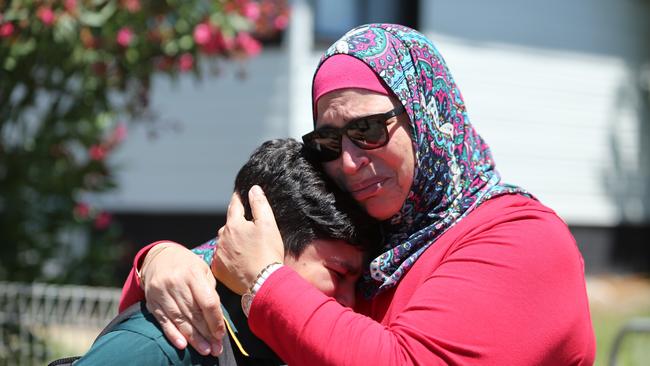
{"x": 454, "y": 170}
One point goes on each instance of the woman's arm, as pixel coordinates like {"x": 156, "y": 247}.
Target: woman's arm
{"x": 510, "y": 293}
{"x": 132, "y": 289}
{"x": 180, "y": 291}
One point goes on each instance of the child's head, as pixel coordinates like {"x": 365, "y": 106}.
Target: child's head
{"x": 324, "y": 231}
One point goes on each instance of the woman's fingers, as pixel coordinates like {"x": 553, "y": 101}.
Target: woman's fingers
{"x": 210, "y": 321}
{"x": 179, "y": 285}
{"x": 246, "y": 247}
{"x": 265, "y": 223}
{"x": 180, "y": 324}
{"x": 171, "y": 332}
{"x": 260, "y": 208}
{"x": 235, "y": 209}
{"x": 190, "y": 324}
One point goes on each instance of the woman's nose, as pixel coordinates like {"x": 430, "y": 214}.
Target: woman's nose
{"x": 353, "y": 158}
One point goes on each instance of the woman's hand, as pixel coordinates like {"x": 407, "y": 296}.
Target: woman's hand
{"x": 246, "y": 247}
{"x": 180, "y": 293}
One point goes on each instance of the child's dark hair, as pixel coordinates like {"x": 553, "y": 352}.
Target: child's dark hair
{"x": 306, "y": 204}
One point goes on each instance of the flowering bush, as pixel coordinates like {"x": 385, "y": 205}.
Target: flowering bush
{"x": 70, "y": 71}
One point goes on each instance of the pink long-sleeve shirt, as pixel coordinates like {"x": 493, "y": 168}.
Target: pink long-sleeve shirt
{"x": 505, "y": 286}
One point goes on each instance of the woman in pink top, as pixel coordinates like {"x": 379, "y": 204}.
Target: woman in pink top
{"x": 471, "y": 271}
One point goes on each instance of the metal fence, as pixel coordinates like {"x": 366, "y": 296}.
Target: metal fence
{"x": 632, "y": 344}
{"x": 39, "y": 322}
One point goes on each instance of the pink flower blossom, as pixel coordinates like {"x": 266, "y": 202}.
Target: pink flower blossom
{"x": 70, "y": 6}
{"x": 119, "y": 134}
{"x": 6, "y": 30}
{"x": 125, "y": 36}
{"x": 217, "y": 42}
{"x": 186, "y": 62}
{"x": 252, "y": 11}
{"x": 281, "y": 22}
{"x": 227, "y": 42}
{"x": 97, "y": 152}
{"x": 103, "y": 220}
{"x": 202, "y": 34}
{"x": 132, "y": 6}
{"x": 248, "y": 44}
{"x": 46, "y": 15}
{"x": 81, "y": 210}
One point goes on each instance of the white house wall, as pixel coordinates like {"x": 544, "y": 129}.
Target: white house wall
{"x": 551, "y": 86}
{"x": 205, "y": 131}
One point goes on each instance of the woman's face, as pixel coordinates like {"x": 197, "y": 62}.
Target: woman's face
{"x": 378, "y": 179}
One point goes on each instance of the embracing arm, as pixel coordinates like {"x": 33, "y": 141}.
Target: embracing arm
{"x": 510, "y": 293}
{"x": 473, "y": 310}
{"x": 180, "y": 292}
{"x": 132, "y": 291}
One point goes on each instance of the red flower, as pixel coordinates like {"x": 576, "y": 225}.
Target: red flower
{"x": 210, "y": 39}
{"x": 103, "y": 220}
{"x": 81, "y": 210}
{"x": 248, "y": 44}
{"x": 202, "y": 34}
{"x": 252, "y": 11}
{"x": 6, "y": 30}
{"x": 132, "y": 6}
{"x": 281, "y": 22}
{"x": 186, "y": 62}
{"x": 97, "y": 152}
{"x": 46, "y": 15}
{"x": 119, "y": 134}
{"x": 70, "y": 6}
{"x": 125, "y": 36}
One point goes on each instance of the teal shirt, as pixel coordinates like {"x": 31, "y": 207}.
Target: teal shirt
{"x": 140, "y": 341}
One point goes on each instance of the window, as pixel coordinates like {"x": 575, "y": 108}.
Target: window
{"x": 335, "y": 17}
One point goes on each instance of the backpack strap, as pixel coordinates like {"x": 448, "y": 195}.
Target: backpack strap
{"x": 124, "y": 315}
{"x": 64, "y": 361}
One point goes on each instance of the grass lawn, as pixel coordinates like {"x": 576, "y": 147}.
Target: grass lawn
{"x": 614, "y": 300}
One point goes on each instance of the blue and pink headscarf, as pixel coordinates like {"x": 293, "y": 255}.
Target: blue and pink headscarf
{"x": 454, "y": 170}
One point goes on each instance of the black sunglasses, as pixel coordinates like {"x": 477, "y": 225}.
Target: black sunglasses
{"x": 369, "y": 132}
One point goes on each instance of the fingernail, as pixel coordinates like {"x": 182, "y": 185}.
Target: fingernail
{"x": 180, "y": 343}
{"x": 203, "y": 347}
{"x": 217, "y": 348}
{"x": 257, "y": 191}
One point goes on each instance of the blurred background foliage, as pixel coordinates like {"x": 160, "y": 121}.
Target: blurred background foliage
{"x": 73, "y": 75}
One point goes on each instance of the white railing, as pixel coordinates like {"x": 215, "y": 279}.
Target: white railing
{"x": 632, "y": 344}
{"x": 40, "y": 322}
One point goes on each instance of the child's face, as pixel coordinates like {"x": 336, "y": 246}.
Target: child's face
{"x": 332, "y": 266}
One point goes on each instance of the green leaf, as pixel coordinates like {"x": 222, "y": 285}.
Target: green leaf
{"x": 65, "y": 29}
{"x": 132, "y": 55}
{"x": 20, "y": 49}
{"x": 9, "y": 64}
{"x": 186, "y": 42}
{"x": 171, "y": 48}
{"x": 182, "y": 26}
{"x": 97, "y": 18}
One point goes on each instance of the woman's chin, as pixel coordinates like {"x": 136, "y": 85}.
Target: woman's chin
{"x": 379, "y": 209}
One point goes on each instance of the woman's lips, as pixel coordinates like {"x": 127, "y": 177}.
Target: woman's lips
{"x": 367, "y": 189}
